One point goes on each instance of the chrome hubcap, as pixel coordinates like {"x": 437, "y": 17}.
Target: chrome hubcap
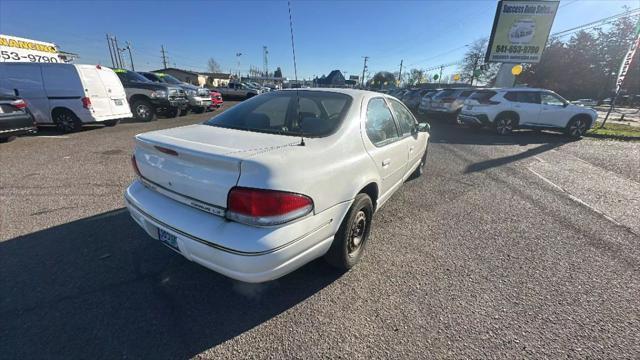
{"x": 142, "y": 111}
{"x": 357, "y": 233}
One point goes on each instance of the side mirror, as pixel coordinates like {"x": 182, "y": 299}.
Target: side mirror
{"x": 424, "y": 127}
{"x": 565, "y": 104}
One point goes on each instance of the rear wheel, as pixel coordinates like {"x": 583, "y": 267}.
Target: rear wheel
{"x": 577, "y": 127}
{"x": 349, "y": 242}
{"x": 111, "y": 123}
{"x": 184, "y": 112}
{"x": 504, "y": 125}
{"x": 420, "y": 169}
{"x": 66, "y": 121}
{"x": 143, "y": 110}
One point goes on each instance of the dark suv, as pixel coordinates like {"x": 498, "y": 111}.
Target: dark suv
{"x": 147, "y": 98}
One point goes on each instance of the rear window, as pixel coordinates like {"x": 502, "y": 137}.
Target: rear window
{"x": 283, "y": 112}
{"x": 482, "y": 96}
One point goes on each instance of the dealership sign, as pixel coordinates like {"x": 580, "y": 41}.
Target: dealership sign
{"x": 16, "y": 49}
{"x": 520, "y": 30}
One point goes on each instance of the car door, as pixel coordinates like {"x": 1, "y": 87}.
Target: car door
{"x": 384, "y": 145}
{"x": 526, "y": 104}
{"x": 553, "y": 112}
{"x": 407, "y": 126}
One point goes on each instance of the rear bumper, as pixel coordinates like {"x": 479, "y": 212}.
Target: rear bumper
{"x": 13, "y": 125}
{"x": 241, "y": 252}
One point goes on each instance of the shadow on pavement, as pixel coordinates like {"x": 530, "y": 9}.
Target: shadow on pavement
{"x": 99, "y": 287}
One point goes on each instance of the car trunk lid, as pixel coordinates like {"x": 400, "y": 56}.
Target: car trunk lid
{"x": 200, "y": 162}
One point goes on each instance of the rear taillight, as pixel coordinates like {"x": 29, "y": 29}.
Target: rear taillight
{"x": 134, "y": 163}
{"x": 20, "y": 104}
{"x": 266, "y": 207}
{"x": 86, "y": 103}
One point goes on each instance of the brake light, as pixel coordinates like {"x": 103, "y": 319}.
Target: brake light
{"x": 134, "y": 163}
{"x": 266, "y": 207}
{"x": 86, "y": 103}
{"x": 19, "y": 104}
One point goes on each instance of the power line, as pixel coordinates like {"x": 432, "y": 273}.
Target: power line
{"x": 597, "y": 22}
{"x": 293, "y": 48}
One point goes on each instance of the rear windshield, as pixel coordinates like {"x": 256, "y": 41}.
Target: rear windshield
{"x": 482, "y": 95}
{"x": 283, "y": 112}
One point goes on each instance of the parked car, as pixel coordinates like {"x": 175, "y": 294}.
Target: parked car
{"x": 425, "y": 101}
{"x": 237, "y": 91}
{"x": 199, "y": 98}
{"x": 449, "y": 101}
{"x": 15, "y": 118}
{"x": 509, "y": 109}
{"x": 585, "y": 102}
{"x": 148, "y": 98}
{"x": 67, "y": 95}
{"x": 239, "y": 195}
{"x": 216, "y": 100}
{"x": 413, "y": 99}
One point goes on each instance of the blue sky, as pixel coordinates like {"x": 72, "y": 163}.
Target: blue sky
{"x": 328, "y": 34}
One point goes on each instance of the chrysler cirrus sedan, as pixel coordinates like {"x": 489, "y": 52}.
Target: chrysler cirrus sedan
{"x": 276, "y": 181}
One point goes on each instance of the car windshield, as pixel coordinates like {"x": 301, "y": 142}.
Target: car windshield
{"x": 312, "y": 113}
{"x": 130, "y": 76}
{"x": 169, "y": 79}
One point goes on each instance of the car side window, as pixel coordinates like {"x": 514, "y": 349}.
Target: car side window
{"x": 551, "y": 99}
{"x": 381, "y": 129}
{"x": 406, "y": 122}
{"x": 511, "y": 96}
{"x": 529, "y": 97}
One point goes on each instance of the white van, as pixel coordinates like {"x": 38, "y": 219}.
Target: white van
{"x": 67, "y": 95}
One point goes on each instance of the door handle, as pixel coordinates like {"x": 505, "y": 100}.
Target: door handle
{"x": 386, "y": 162}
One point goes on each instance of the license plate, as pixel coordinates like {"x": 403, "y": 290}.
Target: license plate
{"x": 118, "y": 102}
{"x": 168, "y": 239}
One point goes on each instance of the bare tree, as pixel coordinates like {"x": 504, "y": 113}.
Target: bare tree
{"x": 213, "y": 66}
{"x": 473, "y": 62}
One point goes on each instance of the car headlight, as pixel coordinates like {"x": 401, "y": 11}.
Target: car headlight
{"x": 159, "y": 94}
{"x": 191, "y": 92}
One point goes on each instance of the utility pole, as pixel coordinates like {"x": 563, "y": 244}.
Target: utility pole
{"x": 120, "y": 62}
{"x": 238, "y": 54}
{"x": 364, "y": 68}
{"x": 400, "y": 74}
{"x": 130, "y": 56}
{"x": 164, "y": 57}
{"x": 265, "y": 54}
{"x": 113, "y": 63}
{"x": 440, "y": 76}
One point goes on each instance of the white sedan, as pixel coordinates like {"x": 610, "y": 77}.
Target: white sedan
{"x": 276, "y": 181}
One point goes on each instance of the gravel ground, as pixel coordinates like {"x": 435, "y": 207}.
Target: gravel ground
{"x": 509, "y": 247}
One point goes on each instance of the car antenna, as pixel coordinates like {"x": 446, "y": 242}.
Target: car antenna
{"x": 295, "y": 72}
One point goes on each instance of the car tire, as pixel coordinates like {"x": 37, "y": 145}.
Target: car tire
{"x": 349, "y": 242}
{"x": 111, "y": 123}
{"x": 7, "y": 139}
{"x": 577, "y": 127}
{"x": 143, "y": 110}
{"x": 419, "y": 171}
{"x": 504, "y": 125}
{"x": 66, "y": 121}
{"x": 172, "y": 113}
{"x": 184, "y": 112}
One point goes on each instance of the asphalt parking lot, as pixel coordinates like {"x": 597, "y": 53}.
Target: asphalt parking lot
{"x": 521, "y": 246}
